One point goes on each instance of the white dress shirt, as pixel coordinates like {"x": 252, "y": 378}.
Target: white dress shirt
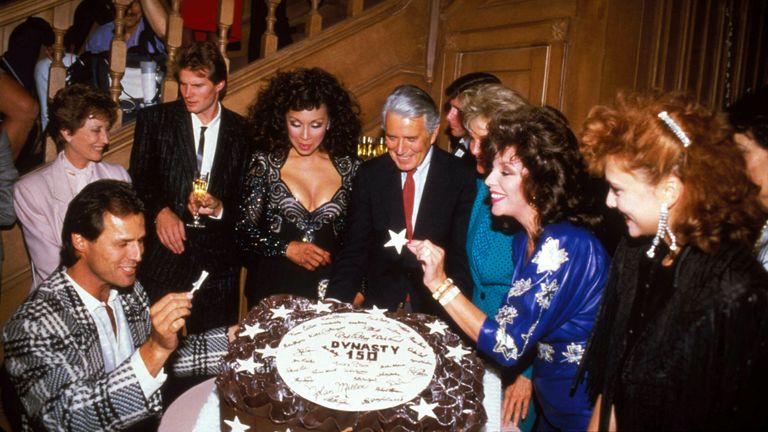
{"x": 78, "y": 178}
{"x": 211, "y": 139}
{"x": 116, "y": 348}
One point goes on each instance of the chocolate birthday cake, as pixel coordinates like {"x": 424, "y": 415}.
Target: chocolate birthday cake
{"x": 304, "y": 365}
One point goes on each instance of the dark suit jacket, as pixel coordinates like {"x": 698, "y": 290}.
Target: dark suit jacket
{"x": 164, "y": 164}
{"x": 459, "y": 151}
{"x": 376, "y": 207}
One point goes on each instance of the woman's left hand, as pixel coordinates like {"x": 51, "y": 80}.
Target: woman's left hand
{"x": 432, "y": 259}
{"x": 517, "y": 397}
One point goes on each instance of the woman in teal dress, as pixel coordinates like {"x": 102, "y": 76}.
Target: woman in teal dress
{"x": 489, "y": 247}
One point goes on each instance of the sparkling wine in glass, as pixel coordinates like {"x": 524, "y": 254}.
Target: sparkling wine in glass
{"x": 199, "y": 189}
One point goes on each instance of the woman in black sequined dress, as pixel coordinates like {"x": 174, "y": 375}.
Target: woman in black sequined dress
{"x": 297, "y": 186}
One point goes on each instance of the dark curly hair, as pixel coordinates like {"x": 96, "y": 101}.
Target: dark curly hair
{"x": 73, "y": 105}
{"x": 749, "y": 116}
{"x": 299, "y": 90}
{"x": 557, "y": 182}
{"x": 718, "y": 202}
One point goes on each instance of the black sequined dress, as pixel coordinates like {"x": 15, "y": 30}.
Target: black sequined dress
{"x": 271, "y": 217}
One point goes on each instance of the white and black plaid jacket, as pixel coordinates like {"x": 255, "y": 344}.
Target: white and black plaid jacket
{"x": 54, "y": 359}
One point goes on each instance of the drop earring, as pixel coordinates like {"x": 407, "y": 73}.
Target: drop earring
{"x": 661, "y": 230}
{"x": 673, "y": 245}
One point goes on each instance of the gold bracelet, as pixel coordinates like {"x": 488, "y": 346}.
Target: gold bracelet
{"x": 450, "y": 295}
{"x": 448, "y": 289}
{"x": 441, "y": 289}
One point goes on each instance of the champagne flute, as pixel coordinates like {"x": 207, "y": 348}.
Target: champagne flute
{"x": 199, "y": 189}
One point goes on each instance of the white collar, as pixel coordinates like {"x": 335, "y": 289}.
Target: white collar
{"x": 73, "y": 169}
{"x": 91, "y": 303}
{"x": 197, "y": 123}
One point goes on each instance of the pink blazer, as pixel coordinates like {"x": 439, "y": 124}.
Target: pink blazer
{"x": 40, "y": 200}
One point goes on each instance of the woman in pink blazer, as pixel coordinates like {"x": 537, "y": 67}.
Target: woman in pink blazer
{"x": 79, "y": 121}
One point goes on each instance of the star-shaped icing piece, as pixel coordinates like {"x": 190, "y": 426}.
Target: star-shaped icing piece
{"x": 251, "y": 330}
{"x": 457, "y": 352}
{"x": 248, "y": 365}
{"x": 236, "y": 425}
{"x": 268, "y": 351}
{"x": 280, "y": 312}
{"x": 376, "y": 311}
{"x": 437, "y": 327}
{"x": 424, "y": 409}
{"x": 320, "y": 307}
{"x": 396, "y": 240}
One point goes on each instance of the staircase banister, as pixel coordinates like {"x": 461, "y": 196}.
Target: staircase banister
{"x": 19, "y": 10}
{"x": 293, "y": 53}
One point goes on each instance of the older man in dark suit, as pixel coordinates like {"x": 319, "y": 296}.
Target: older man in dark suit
{"x": 174, "y": 144}
{"x": 85, "y": 352}
{"x": 415, "y": 191}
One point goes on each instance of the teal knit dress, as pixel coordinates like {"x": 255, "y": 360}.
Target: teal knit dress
{"x": 490, "y": 261}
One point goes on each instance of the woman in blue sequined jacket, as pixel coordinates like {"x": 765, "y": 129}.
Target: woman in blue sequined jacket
{"x": 538, "y": 180}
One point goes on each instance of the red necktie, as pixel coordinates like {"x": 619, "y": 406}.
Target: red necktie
{"x": 409, "y": 190}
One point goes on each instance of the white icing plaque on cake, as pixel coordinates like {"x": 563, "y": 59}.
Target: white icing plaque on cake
{"x": 355, "y": 361}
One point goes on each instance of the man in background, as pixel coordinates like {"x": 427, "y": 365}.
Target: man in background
{"x": 174, "y": 144}
{"x": 459, "y": 137}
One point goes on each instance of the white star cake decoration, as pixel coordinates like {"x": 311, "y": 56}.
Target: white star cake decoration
{"x": 236, "y": 426}
{"x": 375, "y": 311}
{"x": 267, "y": 351}
{"x": 457, "y": 353}
{"x": 424, "y": 409}
{"x": 281, "y": 312}
{"x": 250, "y": 331}
{"x": 396, "y": 240}
{"x": 320, "y": 307}
{"x": 437, "y": 327}
{"x": 248, "y": 365}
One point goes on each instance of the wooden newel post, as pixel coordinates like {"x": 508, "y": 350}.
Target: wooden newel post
{"x": 354, "y": 7}
{"x": 117, "y": 53}
{"x": 226, "y": 15}
{"x": 172, "y": 44}
{"x": 57, "y": 77}
{"x": 269, "y": 38}
{"x": 315, "y": 20}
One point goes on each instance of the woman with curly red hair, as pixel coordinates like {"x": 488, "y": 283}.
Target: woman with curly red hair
{"x": 298, "y": 183}
{"x": 681, "y": 338}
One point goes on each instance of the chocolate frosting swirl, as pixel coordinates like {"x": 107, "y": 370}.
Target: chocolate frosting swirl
{"x": 456, "y": 386}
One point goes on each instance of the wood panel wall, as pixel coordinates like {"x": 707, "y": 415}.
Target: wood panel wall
{"x": 715, "y": 50}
